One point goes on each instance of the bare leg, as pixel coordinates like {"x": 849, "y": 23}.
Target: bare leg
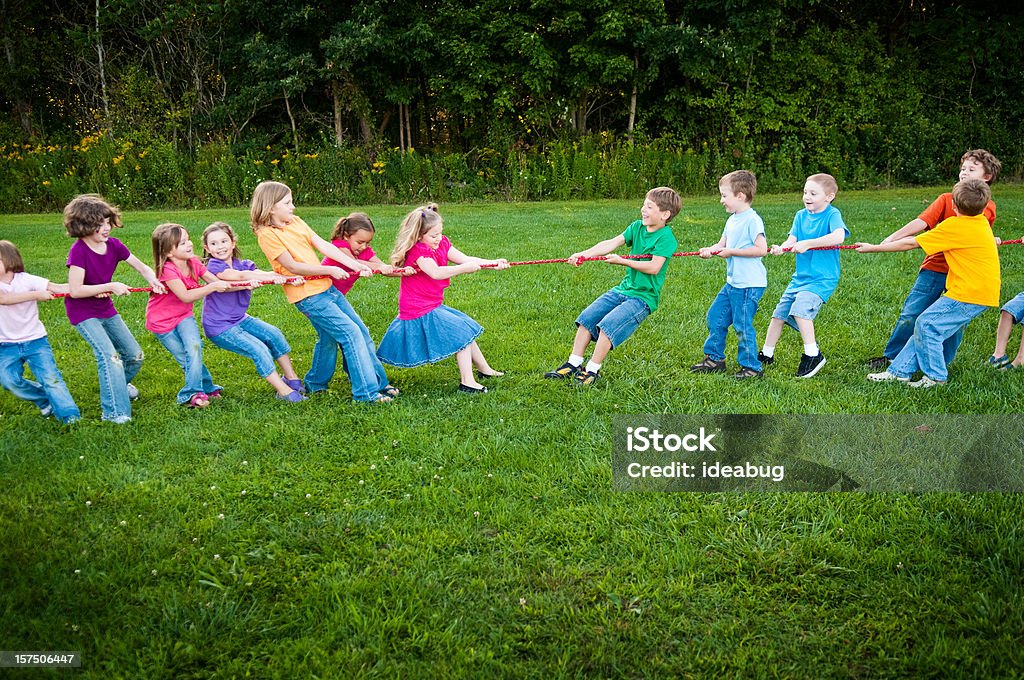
{"x": 481, "y": 363}
{"x": 275, "y": 380}
{"x": 771, "y": 337}
{"x": 601, "y": 349}
{"x": 285, "y": 362}
{"x": 806, "y": 327}
{"x": 464, "y": 358}
{"x": 581, "y": 341}
{"x": 1019, "y": 361}
{"x": 1003, "y": 333}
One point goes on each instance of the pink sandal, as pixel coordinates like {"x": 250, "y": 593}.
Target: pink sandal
{"x": 198, "y": 400}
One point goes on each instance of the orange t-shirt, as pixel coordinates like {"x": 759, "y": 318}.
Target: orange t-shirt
{"x": 296, "y": 239}
{"x": 942, "y": 209}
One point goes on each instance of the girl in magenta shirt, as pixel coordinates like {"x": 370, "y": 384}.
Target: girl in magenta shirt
{"x": 354, "y": 234}
{"x": 169, "y": 316}
{"x": 426, "y": 330}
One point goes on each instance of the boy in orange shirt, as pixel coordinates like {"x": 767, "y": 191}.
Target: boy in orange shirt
{"x": 972, "y": 284}
{"x": 931, "y": 279}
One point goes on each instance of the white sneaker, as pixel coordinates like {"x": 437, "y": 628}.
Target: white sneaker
{"x": 46, "y": 411}
{"x": 133, "y": 392}
{"x": 885, "y": 376}
{"x": 925, "y": 381}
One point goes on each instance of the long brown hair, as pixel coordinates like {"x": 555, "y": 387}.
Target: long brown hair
{"x": 166, "y": 238}
{"x": 346, "y": 226}
{"x": 411, "y": 230}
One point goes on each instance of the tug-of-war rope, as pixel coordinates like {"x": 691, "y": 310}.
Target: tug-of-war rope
{"x": 294, "y": 279}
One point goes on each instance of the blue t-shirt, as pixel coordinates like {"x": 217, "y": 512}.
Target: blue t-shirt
{"x": 817, "y": 271}
{"x": 741, "y": 230}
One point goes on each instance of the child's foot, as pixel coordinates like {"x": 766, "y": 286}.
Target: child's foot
{"x": 709, "y": 365}
{"x": 198, "y": 400}
{"x": 925, "y": 381}
{"x": 133, "y": 392}
{"x": 765, "y": 360}
{"x": 295, "y": 384}
{"x": 480, "y": 389}
{"x": 998, "y": 362}
{"x": 809, "y": 366}
{"x": 564, "y": 371}
{"x": 587, "y": 378}
{"x": 879, "y": 363}
{"x": 46, "y": 411}
{"x": 382, "y": 399}
{"x": 492, "y": 374}
{"x": 746, "y": 373}
{"x": 293, "y": 396}
{"x": 216, "y": 394}
{"x": 391, "y": 391}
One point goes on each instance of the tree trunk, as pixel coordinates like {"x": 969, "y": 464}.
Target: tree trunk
{"x": 632, "y": 102}
{"x": 295, "y": 131}
{"x": 102, "y": 68}
{"x": 338, "y": 130}
{"x": 401, "y": 126}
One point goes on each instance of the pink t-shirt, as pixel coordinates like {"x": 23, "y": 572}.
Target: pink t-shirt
{"x": 419, "y": 294}
{"x": 20, "y": 322}
{"x": 165, "y": 312}
{"x": 345, "y": 285}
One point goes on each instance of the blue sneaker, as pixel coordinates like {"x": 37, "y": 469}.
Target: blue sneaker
{"x": 293, "y": 396}
{"x": 296, "y": 385}
{"x": 998, "y": 362}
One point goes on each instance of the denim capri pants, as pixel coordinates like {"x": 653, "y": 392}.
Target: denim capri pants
{"x": 800, "y": 304}
{"x": 616, "y": 314}
{"x": 1015, "y": 308}
{"x": 256, "y": 340}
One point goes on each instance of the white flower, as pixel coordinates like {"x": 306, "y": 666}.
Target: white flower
{"x": 243, "y": 492}
{"x": 373, "y": 467}
{"x": 153, "y": 572}
{"x": 216, "y": 557}
{"x": 78, "y": 571}
{"x": 213, "y": 488}
{"x": 476, "y": 513}
{"x": 309, "y": 495}
{"x": 522, "y": 602}
{"x": 361, "y": 482}
{"x": 124, "y": 523}
{"x": 195, "y": 540}
{"x": 88, "y": 503}
{"x": 220, "y": 516}
{"x": 245, "y": 462}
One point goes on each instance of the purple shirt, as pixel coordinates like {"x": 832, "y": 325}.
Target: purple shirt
{"x": 419, "y": 294}
{"x": 221, "y": 311}
{"x": 99, "y": 269}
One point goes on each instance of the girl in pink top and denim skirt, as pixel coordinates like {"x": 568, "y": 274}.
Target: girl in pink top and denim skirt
{"x": 426, "y": 330}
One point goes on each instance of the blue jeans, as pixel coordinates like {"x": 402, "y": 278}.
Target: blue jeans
{"x": 256, "y": 340}
{"x": 924, "y": 351}
{"x": 50, "y": 390}
{"x": 336, "y": 323}
{"x": 616, "y": 314}
{"x": 118, "y": 360}
{"x": 734, "y": 307}
{"x": 186, "y": 346}
{"x": 928, "y": 287}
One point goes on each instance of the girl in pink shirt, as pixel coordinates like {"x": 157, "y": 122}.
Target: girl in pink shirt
{"x": 354, "y": 234}
{"x": 426, "y": 330}
{"x": 169, "y": 316}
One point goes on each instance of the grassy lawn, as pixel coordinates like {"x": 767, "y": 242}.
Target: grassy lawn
{"x": 449, "y": 534}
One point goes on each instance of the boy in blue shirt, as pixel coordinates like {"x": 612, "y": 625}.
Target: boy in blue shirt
{"x": 613, "y": 317}
{"x": 818, "y": 225}
{"x": 742, "y": 245}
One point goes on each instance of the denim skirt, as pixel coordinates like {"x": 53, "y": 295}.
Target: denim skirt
{"x": 432, "y": 337}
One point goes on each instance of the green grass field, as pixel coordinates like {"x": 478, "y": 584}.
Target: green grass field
{"x": 449, "y": 534}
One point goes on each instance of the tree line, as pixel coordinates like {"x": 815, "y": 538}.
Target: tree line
{"x": 902, "y": 87}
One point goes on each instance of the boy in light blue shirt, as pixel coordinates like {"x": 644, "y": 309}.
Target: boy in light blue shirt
{"x": 743, "y": 244}
{"x": 818, "y": 225}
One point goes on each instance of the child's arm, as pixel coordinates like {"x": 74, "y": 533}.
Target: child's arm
{"x": 914, "y": 226}
{"x": 651, "y": 266}
{"x": 759, "y": 249}
{"x": 389, "y": 269}
{"x": 779, "y": 250}
{"x": 190, "y": 295}
{"x": 29, "y": 296}
{"x": 435, "y": 271}
{"x": 713, "y": 250}
{"x": 833, "y": 238}
{"x": 77, "y": 287}
{"x": 598, "y": 249}
{"x": 258, "y": 275}
{"x": 147, "y": 273}
{"x": 459, "y": 257}
{"x": 340, "y": 256}
{"x": 286, "y": 260}
{"x": 906, "y": 243}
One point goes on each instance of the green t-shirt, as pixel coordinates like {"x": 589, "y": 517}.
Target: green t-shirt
{"x": 636, "y": 284}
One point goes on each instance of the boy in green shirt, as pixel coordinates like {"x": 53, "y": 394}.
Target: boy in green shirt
{"x": 613, "y": 317}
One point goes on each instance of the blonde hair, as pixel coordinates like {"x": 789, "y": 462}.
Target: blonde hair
{"x": 11, "y": 258}
{"x": 411, "y": 230}
{"x": 264, "y": 197}
{"x": 346, "y": 226}
{"x": 226, "y": 228}
{"x": 971, "y": 196}
{"x": 740, "y": 182}
{"x": 826, "y": 182}
{"x": 84, "y": 215}
{"x": 166, "y": 238}
{"x": 666, "y": 198}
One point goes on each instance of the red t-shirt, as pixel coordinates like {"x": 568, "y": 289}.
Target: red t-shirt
{"x": 942, "y": 209}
